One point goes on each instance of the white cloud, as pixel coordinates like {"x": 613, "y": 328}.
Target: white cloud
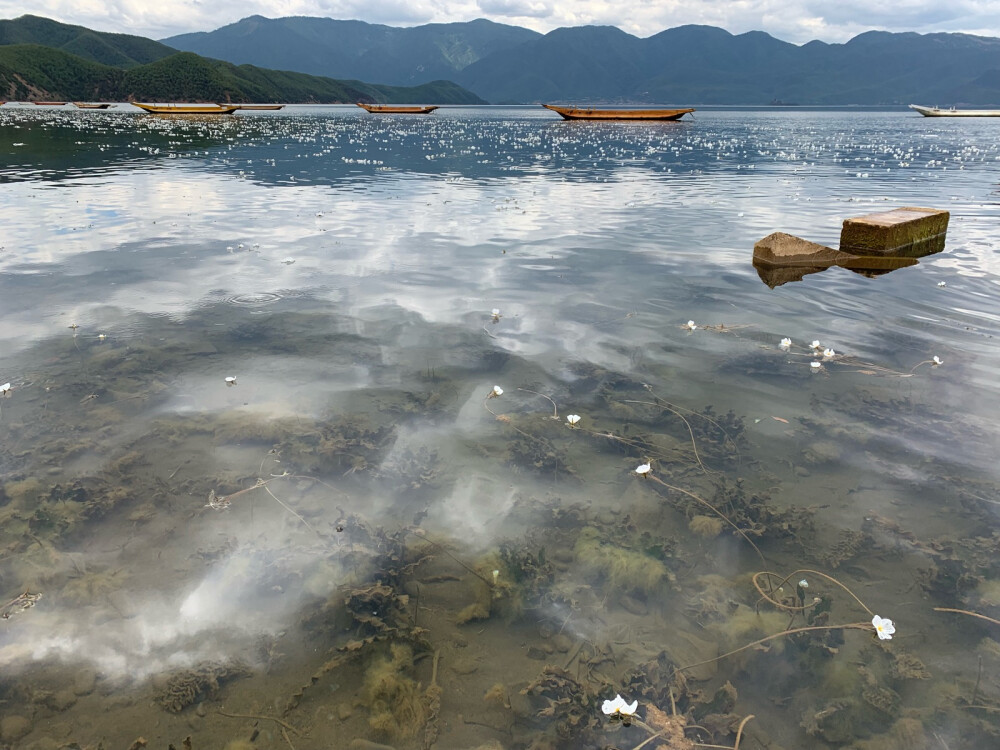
{"x": 796, "y": 21}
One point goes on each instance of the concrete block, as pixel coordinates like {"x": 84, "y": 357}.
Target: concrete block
{"x": 902, "y": 232}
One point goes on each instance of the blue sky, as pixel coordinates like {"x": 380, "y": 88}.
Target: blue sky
{"x": 797, "y": 21}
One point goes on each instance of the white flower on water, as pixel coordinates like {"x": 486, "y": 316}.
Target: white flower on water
{"x": 804, "y": 583}
{"x": 496, "y": 314}
{"x": 643, "y": 469}
{"x": 101, "y": 336}
{"x": 4, "y": 389}
{"x": 937, "y": 361}
{"x": 883, "y": 628}
{"x": 814, "y": 366}
{"x": 619, "y": 706}
{"x": 941, "y": 283}
{"x": 690, "y": 325}
{"x": 497, "y": 391}
{"x": 786, "y": 343}
{"x": 230, "y": 380}
{"x": 815, "y": 344}
{"x": 573, "y": 419}
{"x": 829, "y": 352}
{"x": 496, "y": 577}
{"x": 288, "y": 261}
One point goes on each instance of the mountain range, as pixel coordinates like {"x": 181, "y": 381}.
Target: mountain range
{"x": 687, "y": 64}
{"x": 48, "y": 60}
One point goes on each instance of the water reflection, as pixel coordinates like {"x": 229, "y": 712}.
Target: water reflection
{"x": 355, "y": 542}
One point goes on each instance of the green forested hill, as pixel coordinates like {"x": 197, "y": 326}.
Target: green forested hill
{"x": 33, "y": 71}
{"x": 119, "y": 50}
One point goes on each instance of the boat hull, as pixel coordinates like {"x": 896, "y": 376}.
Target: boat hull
{"x": 50, "y": 104}
{"x": 84, "y": 105}
{"x": 186, "y": 109}
{"x": 938, "y": 112}
{"x": 589, "y": 113}
{"x": 261, "y": 107}
{"x": 390, "y": 109}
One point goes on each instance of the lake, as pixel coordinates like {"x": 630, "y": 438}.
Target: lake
{"x": 335, "y": 430}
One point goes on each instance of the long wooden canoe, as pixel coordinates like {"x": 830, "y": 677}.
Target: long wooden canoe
{"x": 85, "y": 105}
{"x": 261, "y": 107}
{"x": 188, "y": 109}
{"x": 50, "y": 104}
{"x": 392, "y": 109}
{"x": 589, "y": 113}
{"x": 952, "y": 112}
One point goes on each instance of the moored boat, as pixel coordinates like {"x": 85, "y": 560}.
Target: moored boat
{"x": 952, "y": 112}
{"x": 188, "y": 109}
{"x": 50, "y": 104}
{"x": 589, "y": 113}
{"x": 261, "y": 107}
{"x": 392, "y": 109}
{"x": 86, "y": 105}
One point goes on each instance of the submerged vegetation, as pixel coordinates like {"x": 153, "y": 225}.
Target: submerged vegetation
{"x": 311, "y": 513}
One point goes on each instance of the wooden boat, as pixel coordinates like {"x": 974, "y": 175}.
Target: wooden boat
{"x": 85, "y": 105}
{"x": 589, "y": 113}
{"x": 50, "y": 104}
{"x": 952, "y": 112}
{"x": 261, "y": 107}
{"x": 188, "y": 109}
{"x": 392, "y": 109}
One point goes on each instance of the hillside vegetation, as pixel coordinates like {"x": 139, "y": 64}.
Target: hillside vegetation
{"x": 36, "y": 71}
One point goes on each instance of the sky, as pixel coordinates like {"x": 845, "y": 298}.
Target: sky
{"x": 796, "y": 21}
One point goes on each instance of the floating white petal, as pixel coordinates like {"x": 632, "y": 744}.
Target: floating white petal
{"x": 5, "y": 389}
{"x": 643, "y": 469}
{"x": 230, "y": 380}
{"x": 937, "y": 360}
{"x": 618, "y": 705}
{"x": 573, "y": 418}
{"x": 815, "y": 365}
{"x": 497, "y": 391}
{"x": 883, "y": 628}
{"x": 690, "y": 325}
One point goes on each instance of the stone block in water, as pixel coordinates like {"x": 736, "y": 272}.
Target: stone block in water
{"x": 902, "y": 232}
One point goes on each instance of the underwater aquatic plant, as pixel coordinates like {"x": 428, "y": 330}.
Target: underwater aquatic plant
{"x": 883, "y": 628}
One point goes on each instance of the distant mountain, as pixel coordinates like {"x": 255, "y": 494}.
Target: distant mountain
{"x": 32, "y": 71}
{"x": 119, "y": 50}
{"x": 355, "y": 49}
{"x": 687, "y": 64}
{"x": 707, "y": 65}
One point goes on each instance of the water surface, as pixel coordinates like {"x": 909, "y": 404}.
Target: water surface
{"x": 354, "y": 541}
